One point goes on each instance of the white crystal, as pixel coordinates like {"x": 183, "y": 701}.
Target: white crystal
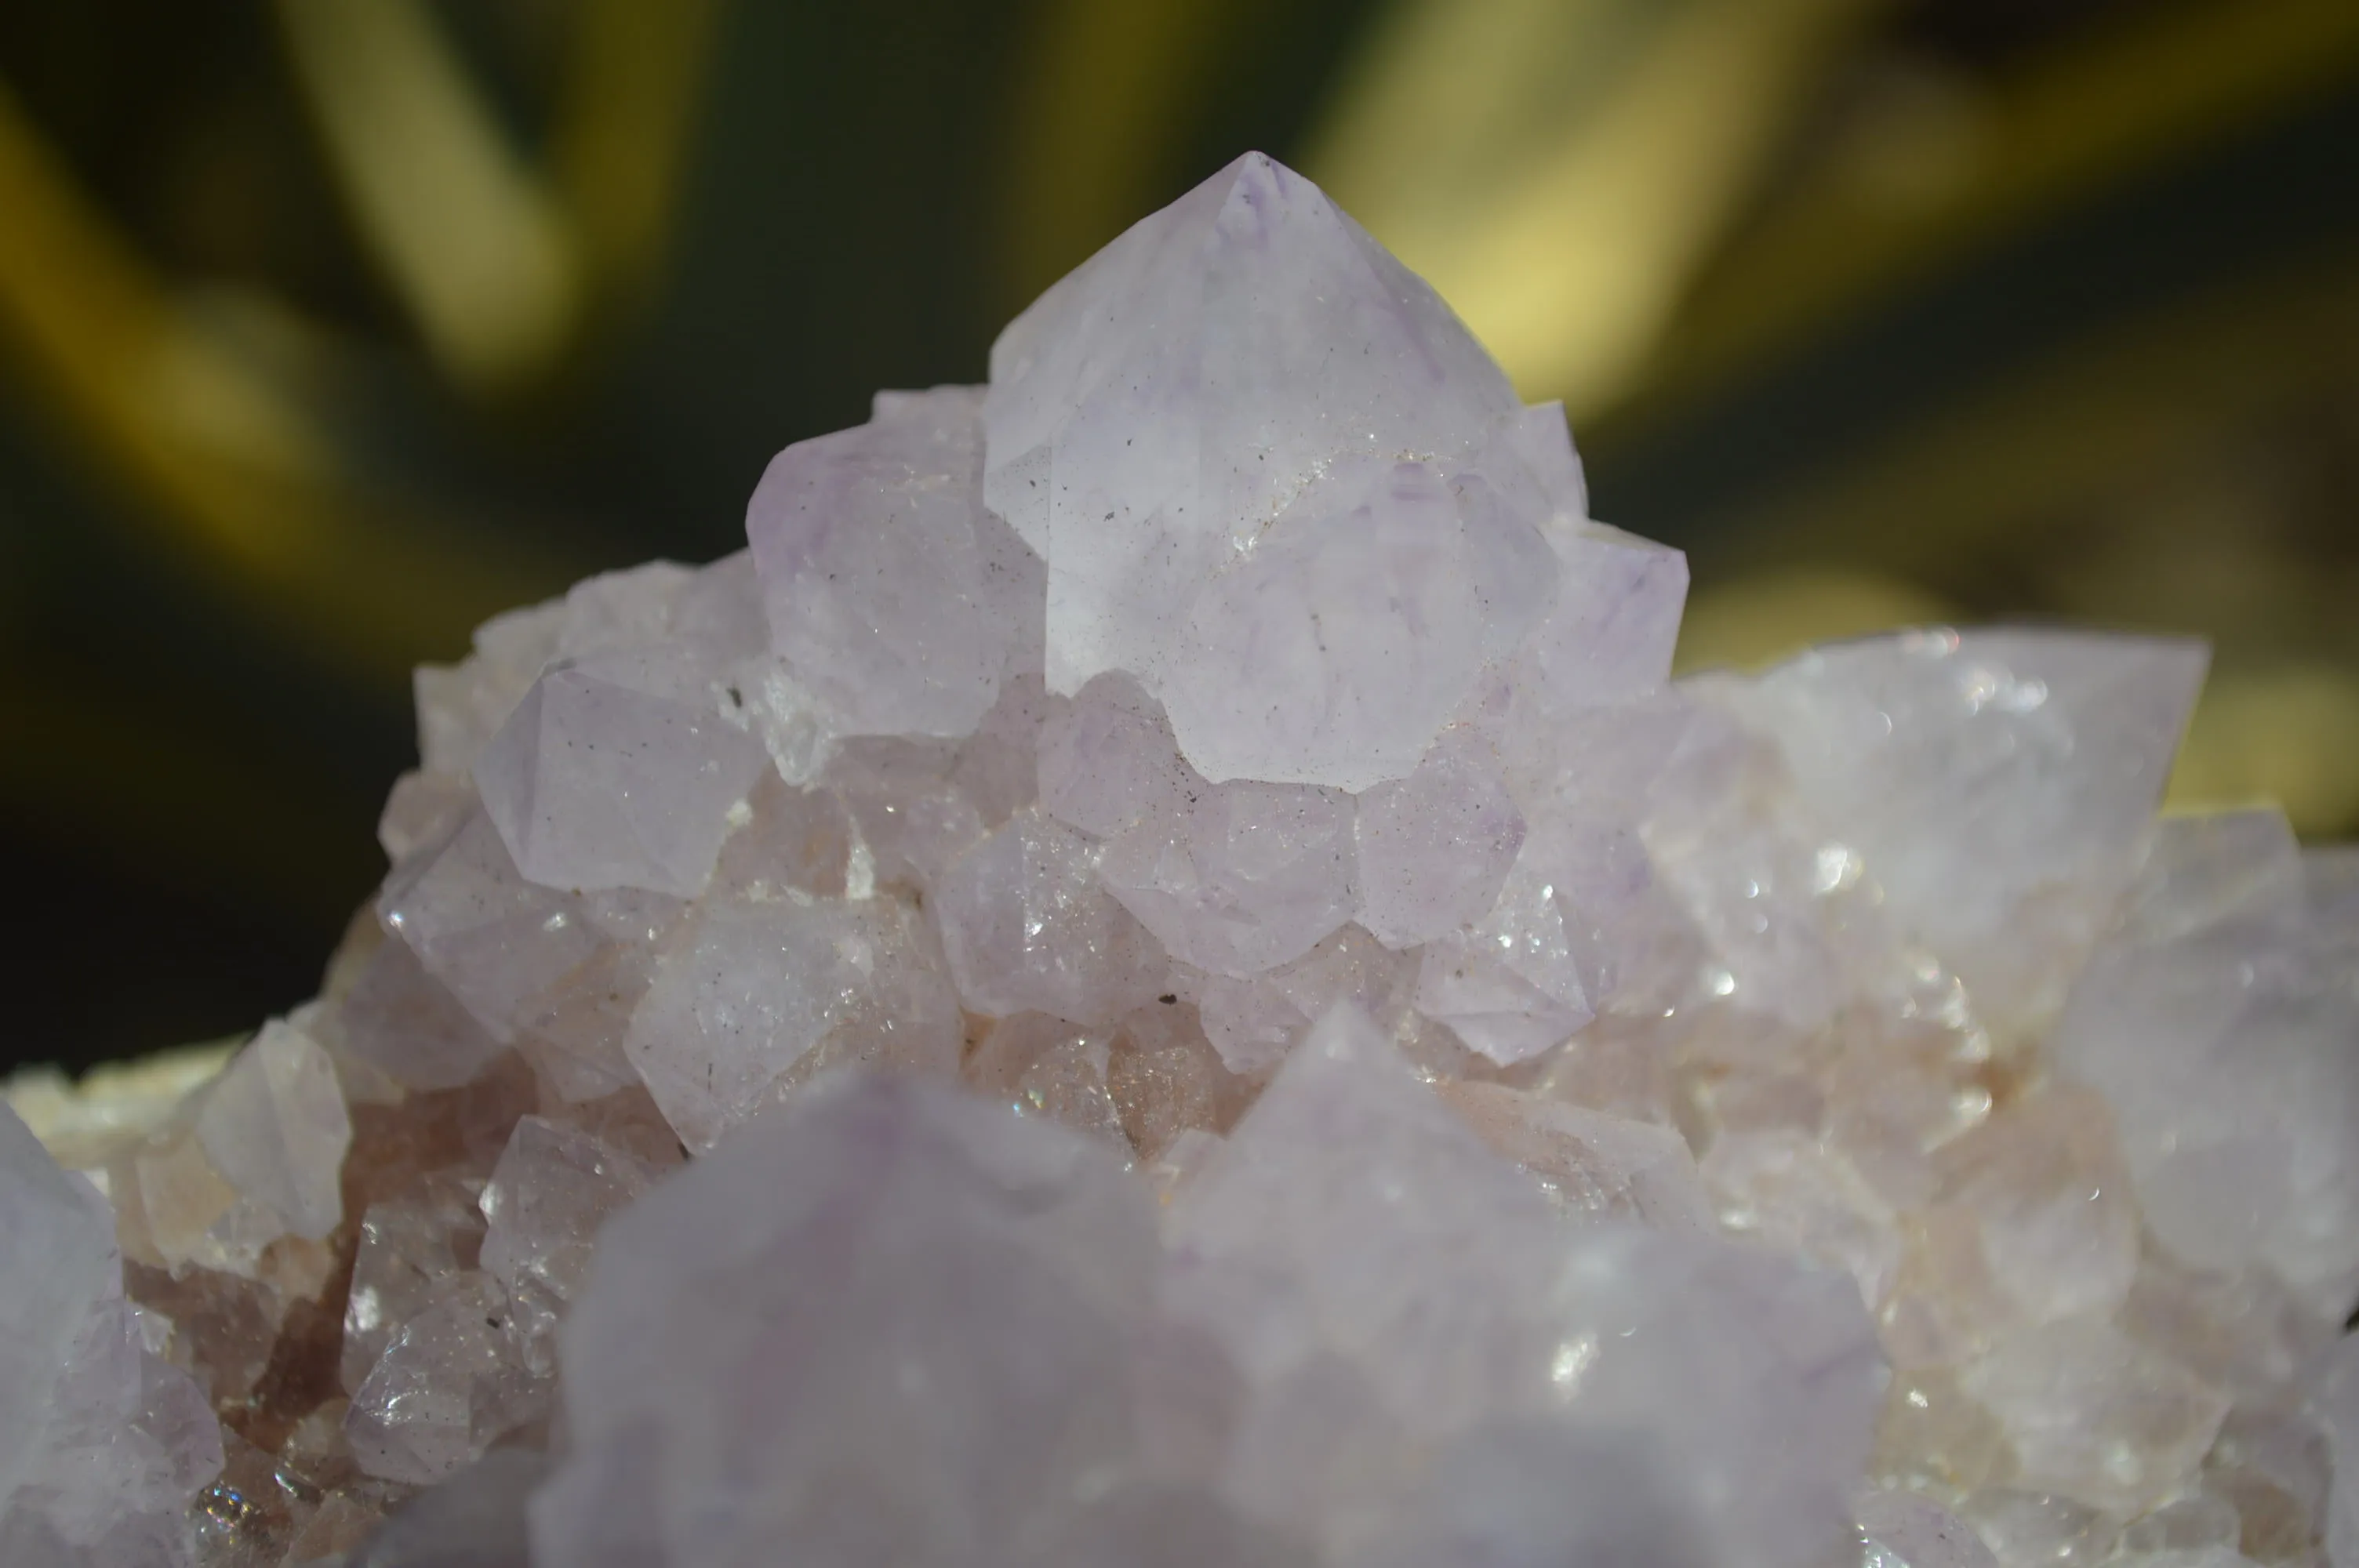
{"x": 1997, "y": 783}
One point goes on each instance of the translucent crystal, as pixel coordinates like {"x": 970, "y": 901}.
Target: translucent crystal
{"x": 1042, "y": 1066}
{"x": 964, "y": 1360}
{"x": 253, "y": 1157}
{"x": 1339, "y": 1222}
{"x": 603, "y": 777}
{"x": 455, "y": 1378}
{"x": 1903, "y": 1530}
{"x": 1998, "y": 784}
{"x": 2094, "y": 1416}
{"x": 1027, "y": 927}
{"x": 754, "y": 1000}
{"x": 2218, "y": 1024}
{"x": 2041, "y": 1187}
{"x": 1245, "y": 878}
{"x": 1157, "y": 974}
{"x": 1435, "y": 848}
{"x": 98, "y": 1434}
{"x": 1107, "y": 760}
{"x": 2338, "y": 1408}
{"x": 408, "y": 1247}
{"x": 897, "y": 597}
{"x": 553, "y": 1187}
{"x": 1593, "y": 1165}
{"x": 1253, "y": 1021}
{"x": 1152, "y": 414}
{"x": 1795, "y": 1192}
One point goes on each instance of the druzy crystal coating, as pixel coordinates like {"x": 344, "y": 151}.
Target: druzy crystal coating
{"x": 1159, "y": 974}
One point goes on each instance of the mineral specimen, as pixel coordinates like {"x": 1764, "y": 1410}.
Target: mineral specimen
{"x": 1159, "y": 974}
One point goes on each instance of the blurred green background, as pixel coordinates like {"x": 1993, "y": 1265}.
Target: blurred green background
{"x": 329, "y": 327}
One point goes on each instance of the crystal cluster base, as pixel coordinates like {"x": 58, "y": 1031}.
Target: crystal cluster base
{"x": 1159, "y": 974}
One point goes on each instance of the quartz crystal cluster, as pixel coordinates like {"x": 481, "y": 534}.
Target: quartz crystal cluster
{"x": 1157, "y": 974}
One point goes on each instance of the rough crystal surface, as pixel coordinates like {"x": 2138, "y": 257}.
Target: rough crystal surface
{"x": 1160, "y": 974}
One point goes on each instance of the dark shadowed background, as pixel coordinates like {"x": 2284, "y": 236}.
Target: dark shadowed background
{"x": 329, "y": 327}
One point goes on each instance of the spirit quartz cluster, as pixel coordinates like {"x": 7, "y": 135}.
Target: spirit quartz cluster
{"x": 1158, "y": 974}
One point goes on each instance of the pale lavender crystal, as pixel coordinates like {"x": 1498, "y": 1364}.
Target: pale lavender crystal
{"x": 1580, "y": 924}
{"x": 496, "y": 940}
{"x": 709, "y": 613}
{"x": 914, "y": 818}
{"x": 555, "y": 972}
{"x": 461, "y": 705}
{"x": 2219, "y": 1024}
{"x": 1354, "y": 1240}
{"x": 890, "y": 1322}
{"x": 405, "y": 1023}
{"x": 1108, "y": 761}
{"x": 1332, "y": 651}
{"x": 1244, "y": 879}
{"x": 131, "y": 1436}
{"x": 898, "y": 599}
{"x": 1607, "y": 638}
{"x": 1159, "y": 977}
{"x": 608, "y": 775}
{"x": 1435, "y": 848}
{"x": 756, "y": 999}
{"x": 1027, "y": 927}
{"x": 1166, "y": 400}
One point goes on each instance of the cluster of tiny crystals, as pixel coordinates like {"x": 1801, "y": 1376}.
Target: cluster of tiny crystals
{"x": 1159, "y": 974}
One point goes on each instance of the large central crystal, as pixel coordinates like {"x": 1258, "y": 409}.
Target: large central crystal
{"x": 1157, "y": 974}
